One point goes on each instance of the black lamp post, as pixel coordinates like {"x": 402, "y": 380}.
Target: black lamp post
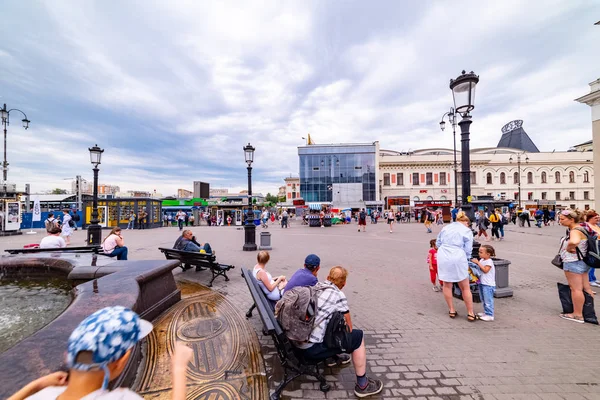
{"x": 452, "y": 119}
{"x": 95, "y": 230}
{"x": 463, "y": 92}
{"x": 5, "y": 117}
{"x": 519, "y": 171}
{"x": 249, "y": 227}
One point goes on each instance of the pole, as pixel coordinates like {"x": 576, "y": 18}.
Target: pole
{"x": 5, "y": 163}
{"x": 464, "y": 124}
{"x": 455, "y": 166}
{"x": 249, "y": 228}
{"x": 519, "y": 172}
{"x": 94, "y": 230}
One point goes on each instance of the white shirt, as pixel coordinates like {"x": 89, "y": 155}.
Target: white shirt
{"x": 52, "y": 242}
{"x": 52, "y": 392}
{"x": 488, "y": 279}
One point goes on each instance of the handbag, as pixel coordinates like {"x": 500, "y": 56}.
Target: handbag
{"x": 557, "y": 260}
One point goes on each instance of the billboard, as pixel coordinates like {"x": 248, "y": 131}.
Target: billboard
{"x": 201, "y": 190}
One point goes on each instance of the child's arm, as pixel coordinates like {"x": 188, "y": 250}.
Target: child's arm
{"x": 179, "y": 362}
{"x": 430, "y": 261}
{"x": 484, "y": 268}
{"x": 54, "y": 379}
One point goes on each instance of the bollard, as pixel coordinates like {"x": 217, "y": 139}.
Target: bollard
{"x": 265, "y": 241}
{"x": 502, "y": 288}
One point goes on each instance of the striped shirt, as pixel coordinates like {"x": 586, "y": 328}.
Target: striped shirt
{"x": 330, "y": 299}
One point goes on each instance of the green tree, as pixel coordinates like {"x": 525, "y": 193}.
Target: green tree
{"x": 271, "y": 198}
{"x": 58, "y": 191}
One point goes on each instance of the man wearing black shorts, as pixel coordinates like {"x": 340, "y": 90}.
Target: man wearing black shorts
{"x": 362, "y": 220}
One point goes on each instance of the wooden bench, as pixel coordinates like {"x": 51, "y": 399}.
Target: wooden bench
{"x": 81, "y": 249}
{"x": 292, "y": 361}
{"x": 199, "y": 260}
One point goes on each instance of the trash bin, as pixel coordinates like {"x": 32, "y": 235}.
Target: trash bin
{"x": 502, "y": 288}
{"x": 327, "y": 221}
{"x": 265, "y": 241}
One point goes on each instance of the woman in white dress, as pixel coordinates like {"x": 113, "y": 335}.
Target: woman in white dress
{"x": 455, "y": 244}
{"x": 67, "y": 231}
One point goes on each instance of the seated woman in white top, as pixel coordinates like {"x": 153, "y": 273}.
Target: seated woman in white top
{"x": 114, "y": 245}
{"x": 271, "y": 287}
{"x": 53, "y": 240}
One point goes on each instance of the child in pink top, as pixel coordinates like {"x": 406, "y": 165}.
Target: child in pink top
{"x": 432, "y": 261}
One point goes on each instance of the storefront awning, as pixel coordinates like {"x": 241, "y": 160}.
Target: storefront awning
{"x": 315, "y": 206}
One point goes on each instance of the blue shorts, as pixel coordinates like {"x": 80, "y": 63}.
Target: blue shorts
{"x": 577, "y": 267}
{"x": 318, "y": 351}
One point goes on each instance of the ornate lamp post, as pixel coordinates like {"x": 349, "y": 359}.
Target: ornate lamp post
{"x": 463, "y": 92}
{"x": 95, "y": 230}
{"x": 452, "y": 119}
{"x": 5, "y": 117}
{"x": 249, "y": 227}
{"x": 519, "y": 171}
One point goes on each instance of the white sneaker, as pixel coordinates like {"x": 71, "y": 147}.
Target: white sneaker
{"x": 436, "y": 289}
{"x": 487, "y": 318}
{"x": 595, "y": 283}
{"x": 480, "y": 314}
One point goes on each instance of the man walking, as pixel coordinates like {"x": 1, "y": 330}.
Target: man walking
{"x": 180, "y": 219}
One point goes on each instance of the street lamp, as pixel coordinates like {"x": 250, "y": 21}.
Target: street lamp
{"x": 463, "y": 92}
{"x": 511, "y": 160}
{"x": 94, "y": 230}
{"x": 249, "y": 227}
{"x": 452, "y": 119}
{"x": 5, "y": 117}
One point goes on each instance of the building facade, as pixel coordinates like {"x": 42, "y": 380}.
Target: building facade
{"x": 592, "y": 99}
{"x": 184, "y": 194}
{"x": 563, "y": 179}
{"x": 292, "y": 189}
{"x": 345, "y": 175}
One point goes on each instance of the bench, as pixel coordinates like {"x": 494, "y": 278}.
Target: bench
{"x": 199, "y": 260}
{"x": 81, "y": 249}
{"x": 291, "y": 359}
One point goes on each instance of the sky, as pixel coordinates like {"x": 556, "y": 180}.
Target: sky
{"x": 174, "y": 90}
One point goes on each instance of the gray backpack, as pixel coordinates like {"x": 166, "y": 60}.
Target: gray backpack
{"x": 296, "y": 312}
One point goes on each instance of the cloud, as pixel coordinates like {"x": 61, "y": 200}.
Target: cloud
{"x": 174, "y": 90}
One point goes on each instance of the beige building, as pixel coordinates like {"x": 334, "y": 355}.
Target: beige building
{"x": 592, "y": 99}
{"x": 184, "y": 194}
{"x": 560, "y": 178}
{"x": 292, "y": 188}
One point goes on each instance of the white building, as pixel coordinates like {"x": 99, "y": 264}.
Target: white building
{"x": 292, "y": 188}
{"x": 562, "y": 178}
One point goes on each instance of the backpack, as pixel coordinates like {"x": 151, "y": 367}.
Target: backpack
{"x": 71, "y": 223}
{"x": 592, "y": 255}
{"x": 337, "y": 335}
{"x": 76, "y": 217}
{"x": 296, "y": 311}
{"x": 504, "y": 220}
{"x": 49, "y": 223}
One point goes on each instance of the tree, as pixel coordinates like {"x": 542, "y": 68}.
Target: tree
{"x": 58, "y": 191}
{"x": 271, "y": 198}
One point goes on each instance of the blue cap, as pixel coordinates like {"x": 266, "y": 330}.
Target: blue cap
{"x": 107, "y": 334}
{"x": 312, "y": 260}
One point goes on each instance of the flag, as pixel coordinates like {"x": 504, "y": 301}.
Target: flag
{"x": 310, "y": 141}
{"x": 37, "y": 211}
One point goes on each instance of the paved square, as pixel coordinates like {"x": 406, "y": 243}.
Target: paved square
{"x": 528, "y": 352}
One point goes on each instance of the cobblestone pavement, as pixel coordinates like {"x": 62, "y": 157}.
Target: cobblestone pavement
{"x": 420, "y": 353}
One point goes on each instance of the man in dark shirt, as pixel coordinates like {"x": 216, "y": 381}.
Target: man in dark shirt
{"x": 187, "y": 242}
{"x": 306, "y": 276}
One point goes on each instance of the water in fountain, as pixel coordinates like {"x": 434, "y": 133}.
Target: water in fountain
{"x": 26, "y": 306}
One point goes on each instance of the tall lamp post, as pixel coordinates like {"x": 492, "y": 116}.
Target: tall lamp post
{"x": 511, "y": 160}
{"x": 452, "y": 119}
{"x": 94, "y": 230}
{"x": 249, "y": 227}
{"x": 463, "y": 92}
{"x": 5, "y": 116}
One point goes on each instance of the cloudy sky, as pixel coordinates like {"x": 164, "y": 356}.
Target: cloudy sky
{"x": 173, "y": 90}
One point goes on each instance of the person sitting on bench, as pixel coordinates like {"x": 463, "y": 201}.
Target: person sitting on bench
{"x": 187, "y": 242}
{"x": 272, "y": 288}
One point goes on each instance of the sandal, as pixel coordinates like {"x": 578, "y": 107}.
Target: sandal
{"x": 471, "y": 318}
{"x": 571, "y": 317}
{"x": 452, "y": 314}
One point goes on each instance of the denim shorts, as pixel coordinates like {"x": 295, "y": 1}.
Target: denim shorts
{"x": 577, "y": 267}
{"x": 319, "y": 351}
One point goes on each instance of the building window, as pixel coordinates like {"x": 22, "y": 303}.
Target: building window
{"x": 429, "y": 198}
{"x": 416, "y": 198}
{"x": 442, "y": 178}
{"x": 502, "y": 178}
{"x": 473, "y": 178}
{"x": 544, "y": 179}
{"x": 544, "y": 195}
{"x": 530, "y": 177}
{"x": 586, "y": 195}
{"x": 530, "y": 196}
{"x": 587, "y": 207}
{"x": 415, "y": 179}
{"x": 571, "y": 195}
{"x": 400, "y": 179}
{"x": 571, "y": 177}
{"x": 488, "y": 178}
{"x": 293, "y": 195}
{"x": 572, "y": 206}
{"x": 386, "y": 179}
{"x": 557, "y": 176}
{"x": 516, "y": 178}
{"x": 557, "y": 196}
{"x": 586, "y": 177}
{"x": 516, "y": 195}
{"x": 429, "y": 178}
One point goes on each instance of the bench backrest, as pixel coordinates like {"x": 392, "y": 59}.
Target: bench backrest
{"x": 180, "y": 255}
{"x": 81, "y": 249}
{"x": 285, "y": 350}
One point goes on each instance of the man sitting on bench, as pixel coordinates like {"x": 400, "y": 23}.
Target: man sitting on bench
{"x": 187, "y": 242}
{"x": 332, "y": 299}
